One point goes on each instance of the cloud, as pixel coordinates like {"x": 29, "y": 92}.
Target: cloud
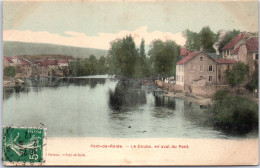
{"x": 101, "y": 41}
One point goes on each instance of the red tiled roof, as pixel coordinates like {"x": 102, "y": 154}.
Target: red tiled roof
{"x": 234, "y": 41}
{"x": 23, "y": 62}
{"x": 184, "y": 52}
{"x": 225, "y": 61}
{"x": 62, "y": 61}
{"x": 188, "y": 57}
{"x": 50, "y": 62}
{"x": 235, "y": 51}
{"x": 8, "y": 59}
{"x": 252, "y": 44}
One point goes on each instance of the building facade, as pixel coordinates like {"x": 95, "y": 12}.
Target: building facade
{"x": 200, "y": 69}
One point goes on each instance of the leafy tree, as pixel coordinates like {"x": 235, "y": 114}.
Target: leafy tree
{"x": 229, "y": 35}
{"x": 10, "y": 71}
{"x": 163, "y": 57}
{"x": 208, "y": 39}
{"x": 123, "y": 57}
{"x": 237, "y": 74}
{"x": 142, "y": 66}
{"x": 92, "y": 65}
{"x": 253, "y": 84}
{"x": 103, "y": 65}
{"x": 192, "y": 40}
{"x": 234, "y": 113}
{"x": 142, "y": 49}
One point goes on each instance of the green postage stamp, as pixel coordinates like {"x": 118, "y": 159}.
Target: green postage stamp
{"x": 23, "y": 145}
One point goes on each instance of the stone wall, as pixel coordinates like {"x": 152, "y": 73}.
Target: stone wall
{"x": 206, "y": 91}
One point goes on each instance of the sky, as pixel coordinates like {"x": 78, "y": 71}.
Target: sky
{"x": 95, "y": 24}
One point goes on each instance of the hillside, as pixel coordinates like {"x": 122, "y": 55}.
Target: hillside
{"x": 21, "y": 48}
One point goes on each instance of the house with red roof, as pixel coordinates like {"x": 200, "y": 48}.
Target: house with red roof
{"x": 41, "y": 69}
{"x": 23, "y": 66}
{"x": 229, "y": 51}
{"x": 199, "y": 68}
{"x": 7, "y": 61}
{"x": 62, "y": 63}
{"x": 248, "y": 53}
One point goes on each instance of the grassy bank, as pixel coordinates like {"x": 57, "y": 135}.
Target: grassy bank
{"x": 234, "y": 113}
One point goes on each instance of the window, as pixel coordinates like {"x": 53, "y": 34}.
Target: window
{"x": 256, "y": 56}
{"x": 201, "y": 58}
{"x": 182, "y": 78}
{"x": 201, "y": 68}
{"x": 201, "y": 76}
{"x": 210, "y": 78}
{"x": 210, "y": 68}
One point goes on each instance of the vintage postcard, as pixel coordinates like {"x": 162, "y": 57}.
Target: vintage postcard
{"x": 134, "y": 83}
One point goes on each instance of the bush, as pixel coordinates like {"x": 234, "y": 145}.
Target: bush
{"x": 10, "y": 71}
{"x": 234, "y": 113}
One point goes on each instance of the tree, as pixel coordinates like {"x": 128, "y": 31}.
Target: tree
{"x": 234, "y": 113}
{"x": 142, "y": 49}
{"x": 228, "y": 36}
{"x": 10, "y": 71}
{"x": 103, "y": 65}
{"x": 163, "y": 57}
{"x": 238, "y": 74}
{"x": 192, "y": 40}
{"x": 208, "y": 39}
{"x": 122, "y": 57}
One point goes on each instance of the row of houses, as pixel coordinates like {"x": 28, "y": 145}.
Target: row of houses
{"x": 202, "y": 73}
{"x": 27, "y": 69}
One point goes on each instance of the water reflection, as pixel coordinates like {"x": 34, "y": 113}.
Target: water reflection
{"x": 38, "y": 85}
{"x": 99, "y": 107}
{"x": 126, "y": 96}
{"x": 200, "y": 115}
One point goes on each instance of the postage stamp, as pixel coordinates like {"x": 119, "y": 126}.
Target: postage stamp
{"x": 23, "y": 145}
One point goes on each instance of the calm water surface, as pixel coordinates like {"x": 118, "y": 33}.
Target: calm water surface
{"x": 99, "y": 107}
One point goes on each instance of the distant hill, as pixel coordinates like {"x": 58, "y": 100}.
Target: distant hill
{"x": 21, "y": 48}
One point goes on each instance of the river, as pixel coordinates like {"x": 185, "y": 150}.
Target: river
{"x": 97, "y": 106}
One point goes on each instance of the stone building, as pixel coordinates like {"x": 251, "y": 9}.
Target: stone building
{"x": 248, "y": 53}
{"x": 200, "y": 69}
{"x": 229, "y": 51}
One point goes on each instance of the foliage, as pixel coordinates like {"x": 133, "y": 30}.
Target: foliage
{"x": 237, "y": 74}
{"x": 163, "y": 57}
{"x": 229, "y": 35}
{"x": 193, "y": 40}
{"x": 142, "y": 49}
{"x": 253, "y": 84}
{"x": 142, "y": 64}
{"x": 205, "y": 39}
{"x": 88, "y": 66}
{"x": 123, "y": 57}
{"x": 234, "y": 113}
{"x": 208, "y": 39}
{"x": 10, "y": 71}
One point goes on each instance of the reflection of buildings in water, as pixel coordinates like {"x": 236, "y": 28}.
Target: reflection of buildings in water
{"x": 164, "y": 106}
{"x": 126, "y": 96}
{"x": 58, "y": 82}
{"x": 165, "y": 101}
{"x": 9, "y": 91}
{"x": 38, "y": 84}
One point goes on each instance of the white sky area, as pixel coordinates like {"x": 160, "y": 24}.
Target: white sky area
{"x": 96, "y": 24}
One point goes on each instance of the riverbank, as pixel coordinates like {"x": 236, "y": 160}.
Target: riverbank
{"x": 191, "y": 98}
